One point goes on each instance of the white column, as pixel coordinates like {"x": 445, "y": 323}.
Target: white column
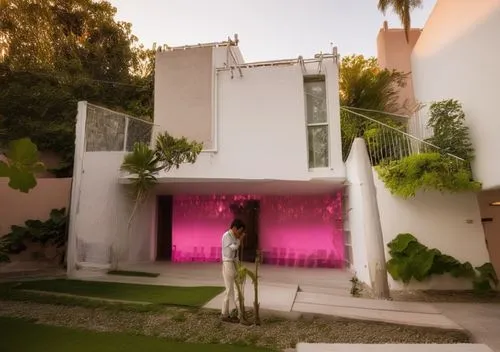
{"x": 81, "y": 118}
{"x": 364, "y": 218}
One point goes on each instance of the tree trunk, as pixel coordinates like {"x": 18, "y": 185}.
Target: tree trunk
{"x": 117, "y": 250}
{"x": 256, "y": 304}
{"x": 240, "y": 287}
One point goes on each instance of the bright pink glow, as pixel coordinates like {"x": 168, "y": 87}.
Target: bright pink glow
{"x": 293, "y": 230}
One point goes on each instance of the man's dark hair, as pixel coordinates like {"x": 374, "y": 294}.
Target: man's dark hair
{"x": 239, "y": 224}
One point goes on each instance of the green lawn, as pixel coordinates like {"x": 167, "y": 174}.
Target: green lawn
{"x": 21, "y": 335}
{"x": 171, "y": 295}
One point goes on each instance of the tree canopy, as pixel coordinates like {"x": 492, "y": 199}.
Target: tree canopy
{"x": 55, "y": 53}
{"x": 363, "y": 84}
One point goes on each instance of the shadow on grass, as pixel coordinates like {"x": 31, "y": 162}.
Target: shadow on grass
{"x": 165, "y": 295}
{"x": 24, "y": 335}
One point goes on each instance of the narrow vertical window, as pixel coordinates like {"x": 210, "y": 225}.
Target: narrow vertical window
{"x": 317, "y": 121}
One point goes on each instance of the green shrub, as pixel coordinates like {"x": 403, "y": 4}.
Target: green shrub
{"x": 412, "y": 260}
{"x": 450, "y": 134}
{"x": 427, "y": 171}
{"x": 51, "y": 232}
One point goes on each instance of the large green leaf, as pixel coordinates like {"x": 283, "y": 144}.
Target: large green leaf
{"x": 401, "y": 242}
{"x": 21, "y": 180}
{"x": 22, "y": 153}
{"x": 487, "y": 272}
{"x": 399, "y": 270}
{"x": 421, "y": 263}
{"x": 22, "y": 164}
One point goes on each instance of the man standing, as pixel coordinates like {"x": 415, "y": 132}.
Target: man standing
{"x": 230, "y": 245}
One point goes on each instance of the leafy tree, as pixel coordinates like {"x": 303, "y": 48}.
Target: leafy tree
{"x": 363, "y": 84}
{"x": 403, "y": 9}
{"x": 58, "y": 52}
{"x": 450, "y": 133}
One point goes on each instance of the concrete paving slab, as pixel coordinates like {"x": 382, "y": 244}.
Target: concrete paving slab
{"x": 335, "y": 291}
{"x": 332, "y": 300}
{"x": 272, "y": 297}
{"x": 394, "y": 317}
{"x": 482, "y": 320}
{"x": 319, "y": 347}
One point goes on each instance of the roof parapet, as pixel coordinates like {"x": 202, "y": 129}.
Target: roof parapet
{"x": 226, "y": 43}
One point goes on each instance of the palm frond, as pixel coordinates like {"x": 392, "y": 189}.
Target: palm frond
{"x": 403, "y": 9}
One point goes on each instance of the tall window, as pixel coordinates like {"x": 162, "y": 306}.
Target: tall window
{"x": 317, "y": 121}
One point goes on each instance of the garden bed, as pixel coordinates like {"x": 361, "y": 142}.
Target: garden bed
{"x": 204, "y": 326}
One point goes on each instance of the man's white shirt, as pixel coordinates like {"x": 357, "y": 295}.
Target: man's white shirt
{"x": 230, "y": 245}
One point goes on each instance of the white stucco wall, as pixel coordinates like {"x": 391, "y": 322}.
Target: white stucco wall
{"x": 448, "y": 222}
{"x": 103, "y": 211}
{"x": 261, "y": 127}
{"x": 457, "y": 57}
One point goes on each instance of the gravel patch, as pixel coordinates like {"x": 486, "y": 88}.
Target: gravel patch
{"x": 204, "y": 326}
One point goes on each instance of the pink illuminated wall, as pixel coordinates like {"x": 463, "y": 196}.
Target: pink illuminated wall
{"x": 302, "y": 231}
{"x": 293, "y": 230}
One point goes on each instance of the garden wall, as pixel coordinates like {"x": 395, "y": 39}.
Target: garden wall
{"x": 102, "y": 211}
{"x": 17, "y": 207}
{"x": 448, "y": 222}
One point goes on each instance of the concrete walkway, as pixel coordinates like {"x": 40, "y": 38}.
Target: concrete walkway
{"x": 480, "y": 319}
{"x": 319, "y": 347}
{"x": 404, "y": 313}
{"x": 293, "y": 291}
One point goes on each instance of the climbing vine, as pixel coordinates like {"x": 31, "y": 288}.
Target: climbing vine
{"x": 412, "y": 260}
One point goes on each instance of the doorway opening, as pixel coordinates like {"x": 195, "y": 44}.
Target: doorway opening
{"x": 248, "y": 212}
{"x": 164, "y": 230}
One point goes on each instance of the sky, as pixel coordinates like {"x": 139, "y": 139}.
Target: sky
{"x": 268, "y": 30}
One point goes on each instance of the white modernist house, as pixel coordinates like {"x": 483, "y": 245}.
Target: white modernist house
{"x": 272, "y": 156}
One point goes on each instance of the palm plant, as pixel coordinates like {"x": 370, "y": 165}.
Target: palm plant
{"x": 402, "y": 8}
{"x": 143, "y": 165}
{"x": 363, "y": 84}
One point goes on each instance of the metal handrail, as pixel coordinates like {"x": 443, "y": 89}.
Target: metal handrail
{"x": 397, "y": 131}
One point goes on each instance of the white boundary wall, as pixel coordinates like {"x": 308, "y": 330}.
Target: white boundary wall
{"x": 448, "y": 222}
{"x": 100, "y": 208}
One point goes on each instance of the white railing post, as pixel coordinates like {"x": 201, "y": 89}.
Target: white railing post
{"x": 125, "y": 137}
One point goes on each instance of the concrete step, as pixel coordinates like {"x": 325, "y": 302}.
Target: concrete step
{"x": 322, "y": 347}
{"x": 334, "y": 291}
{"x": 363, "y": 303}
{"x": 393, "y": 317}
